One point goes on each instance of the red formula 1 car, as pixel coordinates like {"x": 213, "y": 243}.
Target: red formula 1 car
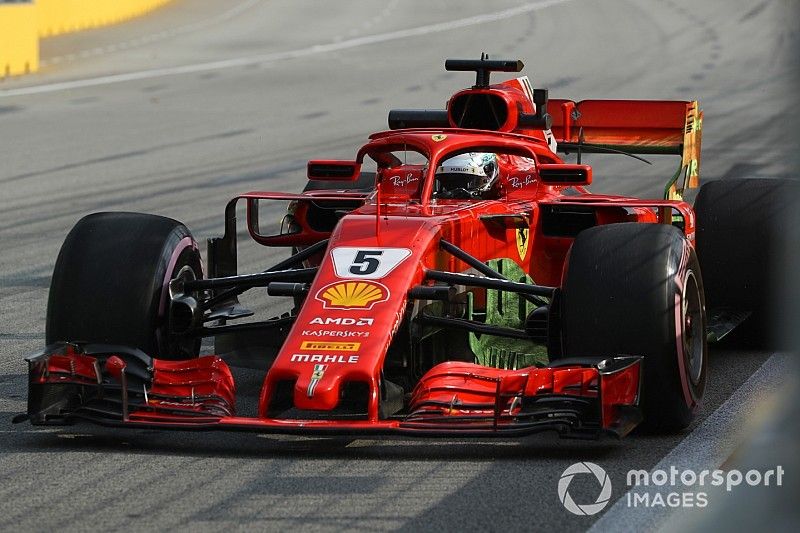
{"x": 467, "y": 284}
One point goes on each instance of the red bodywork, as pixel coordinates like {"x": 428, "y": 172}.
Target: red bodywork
{"x": 347, "y": 323}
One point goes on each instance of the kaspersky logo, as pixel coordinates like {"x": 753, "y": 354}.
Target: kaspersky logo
{"x": 358, "y": 295}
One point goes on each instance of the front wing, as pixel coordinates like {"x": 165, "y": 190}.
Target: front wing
{"x": 119, "y": 386}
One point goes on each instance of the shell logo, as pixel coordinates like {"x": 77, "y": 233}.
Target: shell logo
{"x": 352, "y": 295}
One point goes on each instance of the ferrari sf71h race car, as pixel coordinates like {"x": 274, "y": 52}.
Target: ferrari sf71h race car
{"x": 455, "y": 278}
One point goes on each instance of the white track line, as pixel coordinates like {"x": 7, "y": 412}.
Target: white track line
{"x": 291, "y": 54}
{"x": 707, "y": 447}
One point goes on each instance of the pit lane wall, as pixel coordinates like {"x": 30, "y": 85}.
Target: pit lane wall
{"x": 23, "y": 22}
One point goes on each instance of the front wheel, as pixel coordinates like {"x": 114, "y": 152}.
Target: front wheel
{"x": 110, "y": 283}
{"x": 636, "y": 289}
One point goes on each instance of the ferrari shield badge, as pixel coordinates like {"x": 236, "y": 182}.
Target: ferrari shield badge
{"x": 316, "y": 376}
{"x": 438, "y": 137}
{"x": 522, "y": 242}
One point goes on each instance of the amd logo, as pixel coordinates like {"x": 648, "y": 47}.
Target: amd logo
{"x": 342, "y": 321}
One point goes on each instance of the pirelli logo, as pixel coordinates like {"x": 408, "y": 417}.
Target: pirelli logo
{"x": 317, "y": 346}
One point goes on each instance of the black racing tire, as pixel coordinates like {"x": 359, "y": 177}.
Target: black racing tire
{"x": 110, "y": 282}
{"x": 636, "y": 289}
{"x": 738, "y": 232}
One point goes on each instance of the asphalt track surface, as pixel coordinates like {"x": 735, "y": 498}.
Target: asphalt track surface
{"x": 201, "y": 100}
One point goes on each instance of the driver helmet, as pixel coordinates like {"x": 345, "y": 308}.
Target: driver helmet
{"x": 474, "y": 172}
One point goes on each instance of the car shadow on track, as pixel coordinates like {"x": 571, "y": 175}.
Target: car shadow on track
{"x": 84, "y": 438}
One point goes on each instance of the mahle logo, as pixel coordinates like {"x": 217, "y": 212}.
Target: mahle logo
{"x": 586, "y": 509}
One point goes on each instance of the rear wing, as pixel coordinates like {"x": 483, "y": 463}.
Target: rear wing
{"x": 635, "y": 126}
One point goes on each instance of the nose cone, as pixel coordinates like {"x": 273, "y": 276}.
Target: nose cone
{"x": 321, "y": 388}
{"x": 334, "y": 353}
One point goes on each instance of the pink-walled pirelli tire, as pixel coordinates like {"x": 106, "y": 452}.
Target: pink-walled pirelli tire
{"x": 110, "y": 283}
{"x": 636, "y": 289}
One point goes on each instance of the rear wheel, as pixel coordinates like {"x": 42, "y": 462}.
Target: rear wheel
{"x": 737, "y": 235}
{"x": 636, "y": 289}
{"x": 110, "y": 283}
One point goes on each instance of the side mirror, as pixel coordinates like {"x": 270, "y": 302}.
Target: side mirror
{"x": 333, "y": 170}
{"x": 565, "y": 175}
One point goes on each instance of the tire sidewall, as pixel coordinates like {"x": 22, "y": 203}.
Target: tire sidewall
{"x": 175, "y": 257}
{"x": 691, "y": 389}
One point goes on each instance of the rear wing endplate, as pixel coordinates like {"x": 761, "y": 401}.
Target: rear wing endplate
{"x": 635, "y": 126}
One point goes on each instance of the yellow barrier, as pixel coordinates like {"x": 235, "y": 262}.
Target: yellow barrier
{"x": 61, "y": 16}
{"x": 23, "y": 23}
{"x": 19, "y": 46}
